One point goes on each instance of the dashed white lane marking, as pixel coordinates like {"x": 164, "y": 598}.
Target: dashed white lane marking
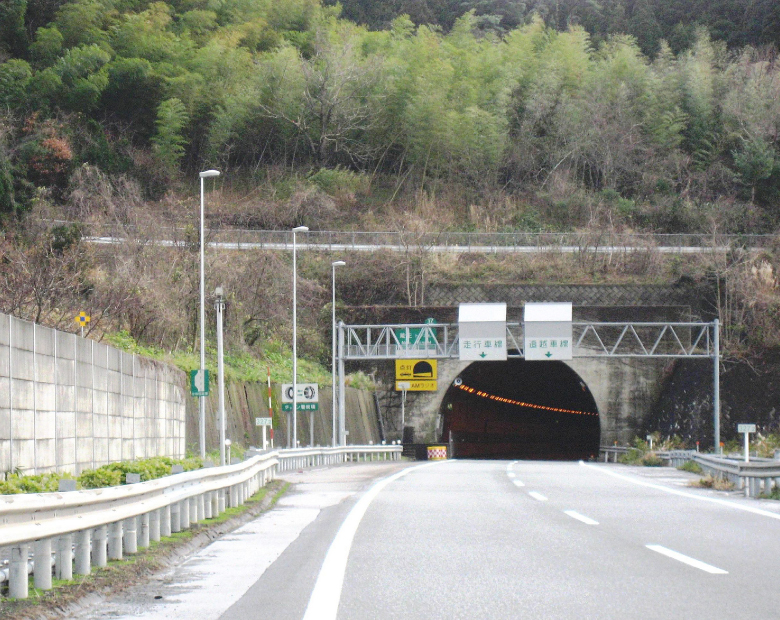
{"x": 708, "y": 568}
{"x": 576, "y": 515}
{"x": 518, "y": 483}
{"x": 324, "y": 601}
{"x": 511, "y": 474}
{"x": 537, "y": 496}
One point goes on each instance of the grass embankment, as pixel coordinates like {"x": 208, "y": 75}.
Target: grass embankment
{"x": 67, "y": 598}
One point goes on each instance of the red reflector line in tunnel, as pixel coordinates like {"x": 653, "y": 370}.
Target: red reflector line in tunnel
{"x": 520, "y": 403}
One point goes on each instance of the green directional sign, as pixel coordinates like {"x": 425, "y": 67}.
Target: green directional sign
{"x": 301, "y": 406}
{"x": 416, "y": 339}
{"x": 199, "y": 382}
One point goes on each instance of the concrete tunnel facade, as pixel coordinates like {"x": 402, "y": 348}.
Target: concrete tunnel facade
{"x": 536, "y": 410}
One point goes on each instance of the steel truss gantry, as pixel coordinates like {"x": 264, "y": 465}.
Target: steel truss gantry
{"x": 687, "y": 340}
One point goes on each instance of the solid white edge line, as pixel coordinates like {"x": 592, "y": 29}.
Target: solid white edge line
{"x": 658, "y": 487}
{"x": 576, "y": 515}
{"x": 537, "y": 496}
{"x": 518, "y": 483}
{"x": 707, "y": 568}
{"x": 326, "y": 595}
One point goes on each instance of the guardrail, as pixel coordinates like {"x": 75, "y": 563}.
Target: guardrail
{"x": 612, "y": 452}
{"x": 90, "y": 527}
{"x": 443, "y": 241}
{"x": 759, "y": 475}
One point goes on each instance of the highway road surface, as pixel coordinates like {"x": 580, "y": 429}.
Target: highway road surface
{"x": 482, "y": 539}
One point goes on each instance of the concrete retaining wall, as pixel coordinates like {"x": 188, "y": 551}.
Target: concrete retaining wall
{"x": 69, "y": 403}
{"x": 246, "y": 401}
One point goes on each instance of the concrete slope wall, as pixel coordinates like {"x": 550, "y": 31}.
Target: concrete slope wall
{"x": 69, "y": 403}
{"x": 246, "y": 401}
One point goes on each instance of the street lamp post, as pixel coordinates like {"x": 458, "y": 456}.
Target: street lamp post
{"x": 334, "y": 264}
{"x": 297, "y": 229}
{"x": 220, "y": 307}
{"x": 201, "y": 399}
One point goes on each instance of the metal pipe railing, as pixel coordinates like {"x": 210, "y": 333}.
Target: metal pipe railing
{"x": 108, "y": 523}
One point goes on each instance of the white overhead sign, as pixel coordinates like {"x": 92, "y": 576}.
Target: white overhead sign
{"x": 482, "y": 332}
{"x": 547, "y": 331}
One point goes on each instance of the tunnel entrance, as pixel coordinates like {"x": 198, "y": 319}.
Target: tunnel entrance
{"x": 520, "y": 410}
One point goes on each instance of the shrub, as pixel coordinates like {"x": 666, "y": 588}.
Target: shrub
{"x": 714, "y": 482}
{"x": 340, "y": 182}
{"x": 691, "y": 466}
{"x": 41, "y": 483}
{"x": 651, "y": 459}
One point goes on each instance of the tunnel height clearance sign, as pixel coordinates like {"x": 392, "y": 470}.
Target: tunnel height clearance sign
{"x": 416, "y": 375}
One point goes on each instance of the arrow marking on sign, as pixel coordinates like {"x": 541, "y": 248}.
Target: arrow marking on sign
{"x": 548, "y": 354}
{"x": 483, "y": 355}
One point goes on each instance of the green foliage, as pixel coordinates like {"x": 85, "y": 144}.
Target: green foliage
{"x": 13, "y": 37}
{"x": 15, "y": 483}
{"x": 47, "y": 46}
{"x": 114, "y": 474}
{"x": 15, "y": 77}
{"x": 339, "y": 181}
{"x": 169, "y": 141}
{"x": 691, "y": 466}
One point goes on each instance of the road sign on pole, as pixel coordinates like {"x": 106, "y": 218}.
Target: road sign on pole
{"x": 746, "y": 429}
{"x": 263, "y": 421}
{"x": 307, "y": 400}
{"x": 199, "y": 382}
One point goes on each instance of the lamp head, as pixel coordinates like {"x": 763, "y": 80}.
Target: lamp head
{"x": 208, "y": 173}
{"x": 338, "y": 263}
{"x": 219, "y": 292}
{"x": 298, "y": 229}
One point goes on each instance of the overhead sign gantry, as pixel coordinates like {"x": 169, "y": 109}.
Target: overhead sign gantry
{"x": 589, "y": 339}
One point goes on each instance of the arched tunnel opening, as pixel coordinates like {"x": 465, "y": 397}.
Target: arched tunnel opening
{"x": 520, "y": 410}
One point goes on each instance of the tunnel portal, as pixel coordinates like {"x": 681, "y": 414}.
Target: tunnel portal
{"x": 520, "y": 410}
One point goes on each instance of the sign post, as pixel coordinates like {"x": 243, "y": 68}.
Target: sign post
{"x": 404, "y": 387}
{"x": 746, "y": 429}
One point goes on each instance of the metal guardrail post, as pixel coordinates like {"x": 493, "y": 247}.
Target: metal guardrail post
{"x": 17, "y": 575}
{"x": 64, "y": 563}
{"x": 99, "y": 546}
{"x": 42, "y": 563}
{"x": 130, "y": 535}
{"x": 115, "y": 541}
{"x": 82, "y": 563}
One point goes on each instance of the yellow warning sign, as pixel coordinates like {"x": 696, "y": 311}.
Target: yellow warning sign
{"x": 416, "y": 375}
{"x": 406, "y": 370}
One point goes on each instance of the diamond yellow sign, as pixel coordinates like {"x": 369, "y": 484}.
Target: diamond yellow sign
{"x": 416, "y": 375}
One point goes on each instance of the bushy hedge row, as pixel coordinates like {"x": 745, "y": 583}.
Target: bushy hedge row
{"x": 109, "y": 475}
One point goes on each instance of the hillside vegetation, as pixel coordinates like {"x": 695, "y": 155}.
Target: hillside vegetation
{"x": 109, "y": 108}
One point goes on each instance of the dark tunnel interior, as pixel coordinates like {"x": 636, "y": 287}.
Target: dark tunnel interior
{"x": 520, "y": 410}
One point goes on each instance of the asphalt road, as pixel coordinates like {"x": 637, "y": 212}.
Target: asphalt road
{"x": 483, "y": 539}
